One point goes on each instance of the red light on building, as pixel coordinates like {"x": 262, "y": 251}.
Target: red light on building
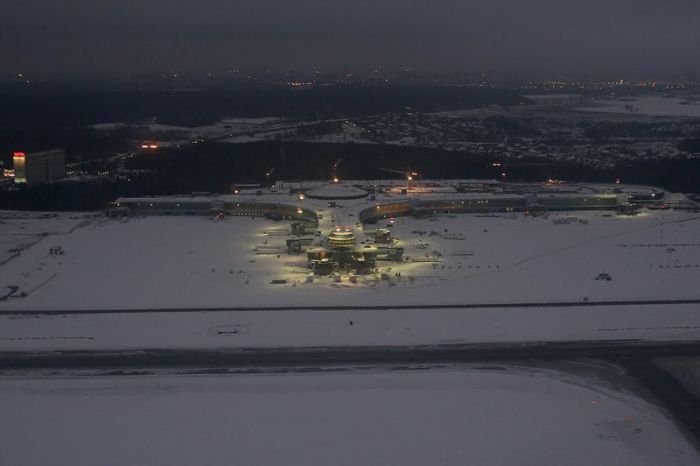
{"x": 19, "y": 155}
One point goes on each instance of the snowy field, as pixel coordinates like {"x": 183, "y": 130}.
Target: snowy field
{"x": 21, "y": 230}
{"x": 313, "y": 329}
{"x": 182, "y": 262}
{"x": 196, "y": 262}
{"x": 435, "y": 417}
{"x": 648, "y": 105}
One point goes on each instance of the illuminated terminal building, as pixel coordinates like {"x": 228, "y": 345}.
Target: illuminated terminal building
{"x": 358, "y": 249}
{"x": 39, "y": 167}
{"x": 341, "y": 239}
{"x": 207, "y": 206}
{"x": 341, "y": 253}
{"x": 529, "y": 203}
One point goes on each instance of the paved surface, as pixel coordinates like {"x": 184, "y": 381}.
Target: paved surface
{"x": 525, "y": 304}
{"x": 614, "y": 350}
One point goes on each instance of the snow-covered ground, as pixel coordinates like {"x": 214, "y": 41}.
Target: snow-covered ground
{"x": 21, "y": 230}
{"x": 164, "y": 262}
{"x": 280, "y": 329}
{"x": 198, "y": 262}
{"x": 648, "y": 105}
{"x": 435, "y": 417}
{"x": 455, "y": 415}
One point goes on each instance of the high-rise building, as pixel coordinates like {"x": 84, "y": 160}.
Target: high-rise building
{"x": 39, "y": 167}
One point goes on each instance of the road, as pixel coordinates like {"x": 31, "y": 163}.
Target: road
{"x": 525, "y": 304}
{"x": 613, "y": 350}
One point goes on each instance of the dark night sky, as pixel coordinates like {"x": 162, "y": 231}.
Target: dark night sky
{"x": 69, "y": 38}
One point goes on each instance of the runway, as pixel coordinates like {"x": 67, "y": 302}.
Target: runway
{"x": 523, "y": 304}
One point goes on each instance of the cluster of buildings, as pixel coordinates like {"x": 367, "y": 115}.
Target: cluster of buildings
{"x": 553, "y": 131}
{"x": 329, "y": 247}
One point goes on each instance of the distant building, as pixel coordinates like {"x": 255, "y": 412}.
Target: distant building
{"x": 39, "y": 167}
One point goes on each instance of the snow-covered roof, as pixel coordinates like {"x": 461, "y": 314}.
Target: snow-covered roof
{"x": 336, "y": 191}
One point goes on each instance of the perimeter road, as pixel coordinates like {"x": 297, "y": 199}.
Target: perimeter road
{"x": 614, "y": 350}
{"x": 546, "y": 304}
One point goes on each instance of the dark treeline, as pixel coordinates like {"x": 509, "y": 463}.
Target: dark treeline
{"x": 690, "y": 145}
{"x": 196, "y": 107}
{"x": 46, "y": 118}
{"x": 70, "y": 196}
{"x": 216, "y": 167}
{"x": 676, "y": 175}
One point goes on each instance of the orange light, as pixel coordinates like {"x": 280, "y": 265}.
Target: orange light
{"x": 153, "y": 146}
